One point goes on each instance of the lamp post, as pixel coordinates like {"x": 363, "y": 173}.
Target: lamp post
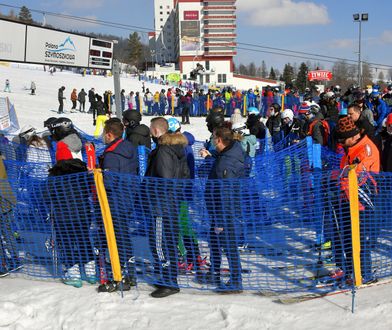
{"x": 364, "y": 17}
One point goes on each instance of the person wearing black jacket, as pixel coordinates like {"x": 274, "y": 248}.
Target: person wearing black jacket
{"x": 120, "y": 156}
{"x": 168, "y": 160}
{"x": 136, "y": 133}
{"x": 82, "y": 100}
{"x": 274, "y": 123}
{"x": 92, "y": 99}
{"x": 61, "y": 99}
{"x": 100, "y": 115}
{"x": 229, "y": 164}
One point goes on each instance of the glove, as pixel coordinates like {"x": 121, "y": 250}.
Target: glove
{"x": 94, "y": 122}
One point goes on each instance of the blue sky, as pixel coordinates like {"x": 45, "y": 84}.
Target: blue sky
{"x": 314, "y": 26}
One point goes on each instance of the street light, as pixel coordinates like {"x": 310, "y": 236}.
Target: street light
{"x": 364, "y": 17}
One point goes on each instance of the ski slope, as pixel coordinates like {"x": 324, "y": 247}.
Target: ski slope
{"x": 32, "y": 304}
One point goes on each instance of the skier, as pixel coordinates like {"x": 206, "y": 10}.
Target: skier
{"x": 61, "y": 99}
{"x": 136, "y": 133}
{"x": 82, "y": 100}
{"x": 72, "y": 224}
{"x": 100, "y": 115}
{"x": 7, "y": 87}
{"x": 229, "y": 164}
{"x": 33, "y": 88}
{"x": 362, "y": 153}
{"x": 92, "y": 100}
{"x": 120, "y": 156}
{"x": 167, "y": 160}
{"x": 74, "y": 98}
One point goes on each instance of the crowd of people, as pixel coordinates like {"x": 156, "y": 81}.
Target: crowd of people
{"x": 356, "y": 124}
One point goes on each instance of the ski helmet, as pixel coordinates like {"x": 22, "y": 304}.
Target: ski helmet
{"x": 215, "y": 120}
{"x": 49, "y": 122}
{"x": 174, "y": 125}
{"x": 27, "y": 131}
{"x": 61, "y": 128}
{"x": 253, "y": 111}
{"x": 288, "y": 113}
{"x": 131, "y": 118}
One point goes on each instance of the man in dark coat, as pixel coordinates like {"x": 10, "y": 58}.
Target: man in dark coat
{"x": 61, "y": 99}
{"x": 363, "y": 123}
{"x": 229, "y": 164}
{"x": 91, "y": 99}
{"x": 386, "y": 154}
{"x": 168, "y": 160}
{"x": 120, "y": 156}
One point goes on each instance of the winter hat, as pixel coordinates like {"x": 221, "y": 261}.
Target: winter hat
{"x": 346, "y": 128}
{"x": 288, "y": 113}
{"x": 253, "y": 111}
{"x": 304, "y": 108}
{"x": 240, "y": 127}
{"x": 174, "y": 125}
{"x": 329, "y": 94}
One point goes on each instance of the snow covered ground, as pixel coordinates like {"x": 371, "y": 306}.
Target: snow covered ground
{"x": 30, "y": 304}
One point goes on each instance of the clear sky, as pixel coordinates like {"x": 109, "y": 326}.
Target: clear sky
{"x": 315, "y": 26}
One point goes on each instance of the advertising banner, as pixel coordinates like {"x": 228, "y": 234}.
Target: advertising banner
{"x": 56, "y": 48}
{"x": 191, "y": 15}
{"x": 12, "y": 41}
{"x": 8, "y": 119}
{"x": 190, "y": 36}
{"x": 319, "y": 75}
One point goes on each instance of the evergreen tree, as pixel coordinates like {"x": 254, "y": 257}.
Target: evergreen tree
{"x": 252, "y": 69}
{"x": 264, "y": 70}
{"x": 389, "y": 76}
{"x": 288, "y": 74}
{"x": 136, "y": 50}
{"x": 272, "y": 74}
{"x": 25, "y": 15}
{"x": 302, "y": 77}
{"x": 381, "y": 78}
{"x": 243, "y": 69}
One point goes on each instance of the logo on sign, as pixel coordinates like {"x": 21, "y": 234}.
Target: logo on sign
{"x": 63, "y": 50}
{"x": 191, "y": 15}
{"x": 319, "y": 75}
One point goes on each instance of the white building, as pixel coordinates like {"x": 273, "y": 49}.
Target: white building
{"x": 189, "y": 32}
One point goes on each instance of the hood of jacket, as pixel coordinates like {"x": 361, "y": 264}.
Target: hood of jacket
{"x": 142, "y": 130}
{"x": 73, "y": 142}
{"x": 191, "y": 139}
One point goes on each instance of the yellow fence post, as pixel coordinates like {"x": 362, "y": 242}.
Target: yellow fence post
{"x": 208, "y": 103}
{"x": 141, "y": 106}
{"x": 5, "y": 187}
{"x": 245, "y": 105}
{"x": 355, "y": 229}
{"x": 172, "y": 105}
{"x": 108, "y": 223}
{"x": 283, "y": 102}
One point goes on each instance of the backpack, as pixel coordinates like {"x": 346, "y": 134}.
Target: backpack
{"x": 326, "y": 130}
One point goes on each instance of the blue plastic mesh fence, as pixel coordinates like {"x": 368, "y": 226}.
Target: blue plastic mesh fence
{"x": 285, "y": 228}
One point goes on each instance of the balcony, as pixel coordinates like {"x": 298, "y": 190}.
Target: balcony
{"x": 211, "y": 27}
{"x": 220, "y": 35}
{"x": 220, "y": 17}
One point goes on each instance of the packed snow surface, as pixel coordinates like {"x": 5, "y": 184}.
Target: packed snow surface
{"x": 33, "y": 304}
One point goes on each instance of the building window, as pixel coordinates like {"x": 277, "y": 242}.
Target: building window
{"x": 168, "y": 7}
{"x": 161, "y": 26}
{"x": 161, "y": 12}
{"x": 161, "y": 19}
{"x": 222, "y": 78}
{"x": 160, "y": 7}
{"x": 207, "y": 65}
{"x": 168, "y": 12}
{"x": 184, "y": 76}
{"x": 207, "y": 78}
